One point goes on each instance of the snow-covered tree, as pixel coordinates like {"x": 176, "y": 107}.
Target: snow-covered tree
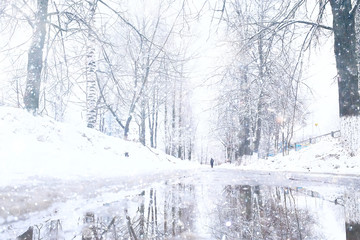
{"x": 343, "y": 13}
{"x": 259, "y": 95}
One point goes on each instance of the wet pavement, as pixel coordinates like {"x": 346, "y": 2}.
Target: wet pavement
{"x": 208, "y": 203}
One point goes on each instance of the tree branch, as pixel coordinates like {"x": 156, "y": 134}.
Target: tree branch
{"x": 106, "y": 104}
{"x": 25, "y": 16}
{"x": 310, "y": 23}
{"x": 353, "y": 10}
{"x": 124, "y": 20}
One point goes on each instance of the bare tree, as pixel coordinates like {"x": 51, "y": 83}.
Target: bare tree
{"x": 343, "y": 28}
{"x": 259, "y": 94}
{"x": 133, "y": 85}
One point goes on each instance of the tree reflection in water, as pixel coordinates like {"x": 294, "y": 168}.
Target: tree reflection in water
{"x": 242, "y": 212}
{"x": 350, "y": 201}
{"x": 187, "y": 211}
{"x": 168, "y": 216}
{"x": 254, "y": 212}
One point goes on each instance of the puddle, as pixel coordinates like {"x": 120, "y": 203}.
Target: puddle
{"x": 196, "y": 211}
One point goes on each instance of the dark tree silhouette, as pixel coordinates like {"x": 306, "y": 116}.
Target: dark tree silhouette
{"x": 35, "y": 54}
{"x": 344, "y": 46}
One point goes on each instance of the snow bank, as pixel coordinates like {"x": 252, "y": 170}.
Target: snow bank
{"x": 38, "y": 146}
{"x": 326, "y": 156}
{"x": 33, "y": 147}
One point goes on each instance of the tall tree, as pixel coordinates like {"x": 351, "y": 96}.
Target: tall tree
{"x": 35, "y": 58}
{"x": 262, "y": 79}
{"x": 91, "y": 84}
{"x": 133, "y": 66}
{"x": 343, "y": 13}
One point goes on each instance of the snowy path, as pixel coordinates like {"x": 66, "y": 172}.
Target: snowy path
{"x": 224, "y": 176}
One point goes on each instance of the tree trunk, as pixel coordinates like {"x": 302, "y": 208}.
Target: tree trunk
{"x": 345, "y": 55}
{"x": 142, "y": 216}
{"x": 34, "y": 67}
{"x": 28, "y": 235}
{"x": 180, "y": 141}
{"x": 166, "y": 132}
{"x": 91, "y": 96}
{"x": 173, "y": 123}
{"x": 127, "y": 127}
{"x": 346, "y": 63}
{"x": 142, "y": 124}
{"x": 151, "y": 119}
{"x": 156, "y": 125}
{"x": 246, "y": 146}
{"x": 258, "y": 129}
{"x": 189, "y": 151}
{"x": 261, "y": 67}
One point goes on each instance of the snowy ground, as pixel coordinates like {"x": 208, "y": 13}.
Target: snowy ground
{"x": 38, "y": 146}
{"x": 46, "y": 165}
{"x": 326, "y": 156}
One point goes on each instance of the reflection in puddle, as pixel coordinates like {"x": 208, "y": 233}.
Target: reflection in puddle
{"x": 149, "y": 215}
{"x": 228, "y": 212}
{"x": 261, "y": 213}
{"x": 351, "y": 202}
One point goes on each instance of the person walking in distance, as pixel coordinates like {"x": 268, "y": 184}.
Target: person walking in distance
{"x": 212, "y": 162}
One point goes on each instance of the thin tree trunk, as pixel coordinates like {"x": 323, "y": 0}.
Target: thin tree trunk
{"x": 165, "y": 214}
{"x": 258, "y": 125}
{"x": 151, "y": 119}
{"x": 166, "y": 132}
{"x": 17, "y": 93}
{"x": 247, "y": 123}
{"x": 91, "y": 91}
{"x": 142, "y": 215}
{"x": 156, "y": 125}
{"x": 260, "y": 102}
{"x": 142, "y": 124}
{"x": 180, "y": 140}
{"x": 189, "y": 150}
{"x": 173, "y": 123}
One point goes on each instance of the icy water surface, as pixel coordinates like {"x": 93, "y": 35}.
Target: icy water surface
{"x": 232, "y": 212}
{"x": 200, "y": 207}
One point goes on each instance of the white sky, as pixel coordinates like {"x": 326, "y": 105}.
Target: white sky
{"x": 323, "y": 102}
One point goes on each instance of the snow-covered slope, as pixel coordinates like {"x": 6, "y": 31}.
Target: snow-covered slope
{"x": 38, "y": 146}
{"x": 326, "y": 156}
